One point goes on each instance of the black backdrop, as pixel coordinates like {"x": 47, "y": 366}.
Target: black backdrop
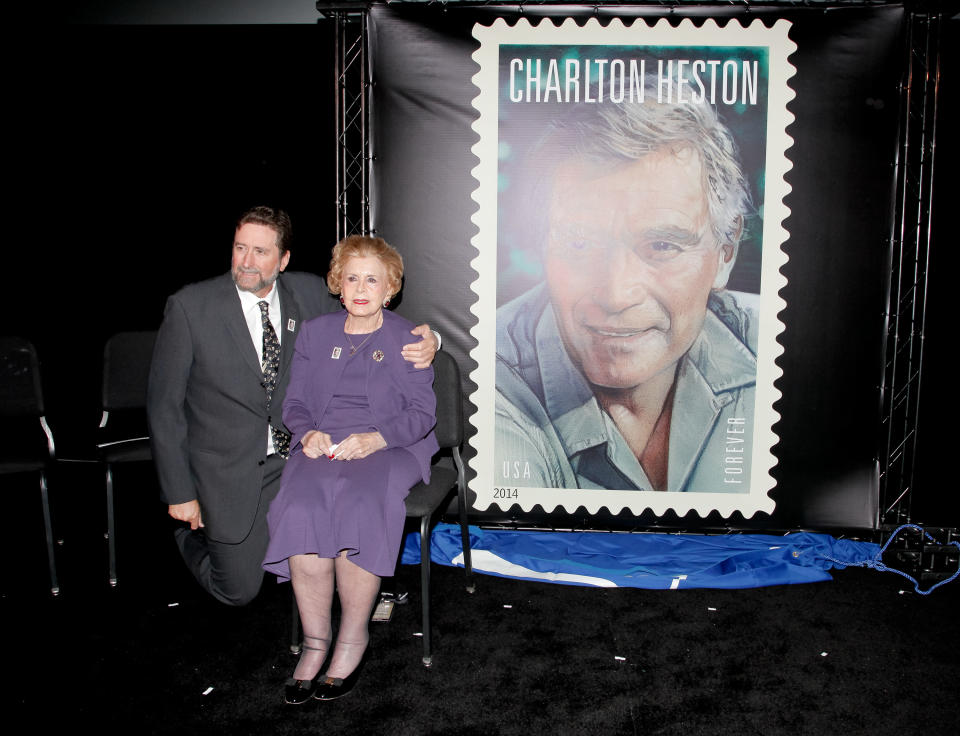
{"x": 135, "y": 147}
{"x": 139, "y": 147}
{"x": 848, "y": 70}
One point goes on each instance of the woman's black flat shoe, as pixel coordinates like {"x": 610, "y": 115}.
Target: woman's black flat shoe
{"x": 298, "y": 692}
{"x": 336, "y": 687}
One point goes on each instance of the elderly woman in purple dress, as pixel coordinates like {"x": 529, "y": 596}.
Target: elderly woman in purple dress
{"x": 361, "y": 420}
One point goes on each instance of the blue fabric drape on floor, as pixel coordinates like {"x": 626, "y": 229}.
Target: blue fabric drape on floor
{"x": 645, "y": 560}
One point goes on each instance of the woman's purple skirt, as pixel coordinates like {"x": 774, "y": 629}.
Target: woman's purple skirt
{"x": 325, "y": 506}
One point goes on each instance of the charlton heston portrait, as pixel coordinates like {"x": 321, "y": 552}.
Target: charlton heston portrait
{"x": 631, "y": 364}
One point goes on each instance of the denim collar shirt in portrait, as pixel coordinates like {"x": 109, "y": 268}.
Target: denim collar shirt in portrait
{"x": 552, "y": 433}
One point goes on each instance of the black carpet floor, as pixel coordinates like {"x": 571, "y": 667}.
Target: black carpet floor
{"x": 862, "y": 654}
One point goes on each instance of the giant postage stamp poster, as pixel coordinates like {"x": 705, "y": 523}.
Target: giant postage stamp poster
{"x": 630, "y": 192}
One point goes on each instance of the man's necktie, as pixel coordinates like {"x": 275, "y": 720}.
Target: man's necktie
{"x": 271, "y": 366}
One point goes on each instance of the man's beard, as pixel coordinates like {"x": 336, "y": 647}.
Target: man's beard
{"x": 263, "y": 283}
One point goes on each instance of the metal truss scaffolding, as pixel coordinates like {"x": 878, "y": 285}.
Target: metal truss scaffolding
{"x": 352, "y": 124}
{"x": 909, "y": 253}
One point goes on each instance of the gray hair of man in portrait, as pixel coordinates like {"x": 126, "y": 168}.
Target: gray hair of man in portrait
{"x": 613, "y": 133}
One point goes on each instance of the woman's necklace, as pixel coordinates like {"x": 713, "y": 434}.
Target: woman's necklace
{"x": 355, "y": 348}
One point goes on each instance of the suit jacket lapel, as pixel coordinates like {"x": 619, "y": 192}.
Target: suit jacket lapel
{"x": 289, "y": 326}
{"x": 237, "y": 325}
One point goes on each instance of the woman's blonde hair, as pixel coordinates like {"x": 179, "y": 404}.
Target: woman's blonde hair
{"x": 363, "y": 246}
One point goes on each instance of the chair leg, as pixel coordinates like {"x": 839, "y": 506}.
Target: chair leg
{"x": 425, "y": 586}
{"x": 48, "y": 527}
{"x": 465, "y": 543}
{"x": 464, "y": 523}
{"x": 295, "y": 642}
{"x": 111, "y": 537}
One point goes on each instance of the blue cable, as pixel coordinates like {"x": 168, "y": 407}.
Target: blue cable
{"x": 877, "y": 564}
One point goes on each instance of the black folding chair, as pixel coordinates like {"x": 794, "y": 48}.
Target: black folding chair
{"x": 426, "y": 498}
{"x": 123, "y": 428}
{"x": 24, "y": 448}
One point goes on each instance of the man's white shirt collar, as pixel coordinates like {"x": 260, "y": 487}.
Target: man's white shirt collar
{"x": 249, "y": 302}
{"x": 248, "y": 299}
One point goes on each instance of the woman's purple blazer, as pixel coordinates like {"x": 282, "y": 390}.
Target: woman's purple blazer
{"x": 401, "y": 397}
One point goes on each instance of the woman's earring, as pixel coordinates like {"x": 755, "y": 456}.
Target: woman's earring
{"x": 386, "y": 302}
{"x": 342, "y": 303}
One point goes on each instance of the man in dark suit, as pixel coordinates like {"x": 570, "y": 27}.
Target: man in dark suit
{"x": 214, "y": 403}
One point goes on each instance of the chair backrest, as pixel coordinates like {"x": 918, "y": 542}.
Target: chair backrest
{"x": 126, "y": 368}
{"x": 20, "y": 387}
{"x": 446, "y": 385}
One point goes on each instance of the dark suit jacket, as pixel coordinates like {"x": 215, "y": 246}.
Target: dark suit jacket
{"x": 401, "y": 397}
{"x": 206, "y": 403}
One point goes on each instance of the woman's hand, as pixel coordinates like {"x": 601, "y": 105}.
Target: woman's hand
{"x": 316, "y": 444}
{"x": 359, "y": 445}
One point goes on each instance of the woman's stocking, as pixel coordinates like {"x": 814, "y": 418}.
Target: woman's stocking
{"x": 358, "y": 590}
{"x": 312, "y": 579}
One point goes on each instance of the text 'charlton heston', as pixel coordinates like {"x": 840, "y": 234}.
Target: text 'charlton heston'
{"x": 622, "y": 80}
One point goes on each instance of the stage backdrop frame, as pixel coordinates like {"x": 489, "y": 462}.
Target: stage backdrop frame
{"x": 898, "y": 394}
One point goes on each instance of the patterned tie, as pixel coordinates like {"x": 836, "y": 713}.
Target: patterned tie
{"x": 271, "y": 366}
